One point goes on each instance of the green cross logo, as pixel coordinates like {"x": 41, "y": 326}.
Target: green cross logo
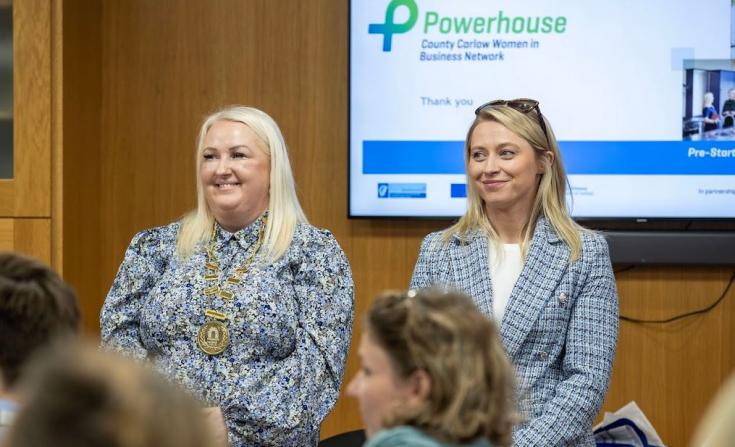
{"x": 389, "y": 28}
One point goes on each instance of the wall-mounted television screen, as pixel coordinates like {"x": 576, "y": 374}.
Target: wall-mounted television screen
{"x": 641, "y": 96}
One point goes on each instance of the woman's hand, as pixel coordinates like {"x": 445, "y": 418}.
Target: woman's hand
{"x": 214, "y": 419}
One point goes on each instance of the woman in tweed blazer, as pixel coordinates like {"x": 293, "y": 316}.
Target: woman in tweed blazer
{"x": 559, "y": 316}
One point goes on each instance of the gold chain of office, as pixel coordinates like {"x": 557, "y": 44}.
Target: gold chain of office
{"x": 214, "y": 337}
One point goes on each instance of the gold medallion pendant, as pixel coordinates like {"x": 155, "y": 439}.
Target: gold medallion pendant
{"x": 213, "y": 337}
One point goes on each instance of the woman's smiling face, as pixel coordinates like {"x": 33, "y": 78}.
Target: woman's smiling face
{"x": 235, "y": 173}
{"x": 503, "y": 168}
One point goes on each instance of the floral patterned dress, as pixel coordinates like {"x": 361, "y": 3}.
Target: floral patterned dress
{"x": 289, "y": 325}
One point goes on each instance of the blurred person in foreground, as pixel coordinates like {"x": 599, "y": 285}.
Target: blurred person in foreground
{"x": 433, "y": 373}
{"x": 36, "y": 307}
{"x": 717, "y": 427}
{"x": 78, "y": 396}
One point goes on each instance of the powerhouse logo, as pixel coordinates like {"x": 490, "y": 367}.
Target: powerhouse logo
{"x": 437, "y": 23}
{"x": 389, "y": 27}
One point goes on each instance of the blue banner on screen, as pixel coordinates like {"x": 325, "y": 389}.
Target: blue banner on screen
{"x": 458, "y": 190}
{"x": 412, "y": 157}
{"x": 580, "y": 157}
{"x": 640, "y": 95}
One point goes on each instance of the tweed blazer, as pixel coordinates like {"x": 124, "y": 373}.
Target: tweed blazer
{"x": 560, "y": 327}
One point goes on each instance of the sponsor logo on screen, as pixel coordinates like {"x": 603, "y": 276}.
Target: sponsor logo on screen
{"x": 401, "y": 190}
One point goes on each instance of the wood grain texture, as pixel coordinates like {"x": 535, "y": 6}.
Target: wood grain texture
{"x": 28, "y": 194}
{"x": 7, "y": 230}
{"x": 82, "y": 248}
{"x": 31, "y": 237}
{"x": 673, "y": 370}
{"x": 57, "y": 136}
{"x": 142, "y": 74}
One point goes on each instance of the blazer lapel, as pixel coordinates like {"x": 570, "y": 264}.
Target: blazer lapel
{"x": 471, "y": 271}
{"x": 545, "y": 264}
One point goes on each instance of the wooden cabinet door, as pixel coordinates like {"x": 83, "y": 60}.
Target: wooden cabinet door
{"x": 28, "y": 193}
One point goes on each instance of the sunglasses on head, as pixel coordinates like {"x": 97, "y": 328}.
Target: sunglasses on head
{"x": 523, "y": 105}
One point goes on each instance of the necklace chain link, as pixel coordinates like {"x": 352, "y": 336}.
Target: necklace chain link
{"x": 212, "y": 265}
{"x": 214, "y": 337}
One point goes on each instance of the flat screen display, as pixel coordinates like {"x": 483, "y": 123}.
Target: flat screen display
{"x": 640, "y": 94}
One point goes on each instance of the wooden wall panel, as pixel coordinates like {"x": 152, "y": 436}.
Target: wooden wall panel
{"x": 57, "y": 133}
{"x": 7, "y": 242}
{"x": 161, "y": 66}
{"x": 672, "y": 370}
{"x": 33, "y": 237}
{"x": 30, "y": 237}
{"x": 29, "y": 192}
{"x": 82, "y": 248}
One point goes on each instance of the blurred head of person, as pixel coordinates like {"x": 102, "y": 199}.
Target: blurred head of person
{"x": 243, "y": 169}
{"x": 708, "y": 99}
{"x": 431, "y": 360}
{"x": 36, "y": 306}
{"x": 717, "y": 427}
{"x": 77, "y": 395}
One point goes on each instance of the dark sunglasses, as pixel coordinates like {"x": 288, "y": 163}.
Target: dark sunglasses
{"x": 523, "y": 105}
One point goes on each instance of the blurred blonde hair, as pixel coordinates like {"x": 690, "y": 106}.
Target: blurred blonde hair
{"x": 444, "y": 334}
{"x": 79, "y": 396}
{"x": 708, "y": 99}
{"x": 717, "y": 427}
{"x": 550, "y": 200}
{"x": 284, "y": 209}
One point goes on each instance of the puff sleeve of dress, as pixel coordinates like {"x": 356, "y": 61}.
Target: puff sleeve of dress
{"x": 145, "y": 260}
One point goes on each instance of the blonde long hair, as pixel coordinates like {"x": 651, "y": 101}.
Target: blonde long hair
{"x": 284, "y": 209}
{"x": 550, "y": 200}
